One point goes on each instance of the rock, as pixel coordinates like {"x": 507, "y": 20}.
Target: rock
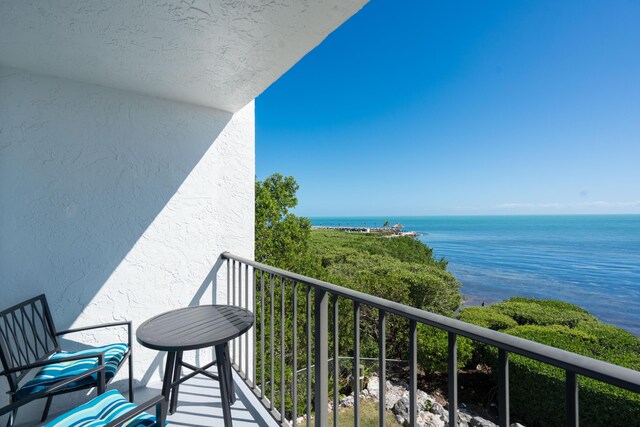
{"x": 438, "y": 409}
{"x": 480, "y": 422}
{"x": 428, "y": 419}
{"x": 401, "y": 410}
{"x": 374, "y": 387}
{"x": 464, "y": 416}
{"x": 347, "y": 402}
{"x": 393, "y": 393}
{"x": 430, "y": 412}
{"x": 424, "y": 400}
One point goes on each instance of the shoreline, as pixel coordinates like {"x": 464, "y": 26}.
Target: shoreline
{"x": 387, "y": 231}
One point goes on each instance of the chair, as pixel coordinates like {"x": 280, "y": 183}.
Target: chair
{"x": 29, "y": 340}
{"x": 111, "y": 409}
{"x": 108, "y": 409}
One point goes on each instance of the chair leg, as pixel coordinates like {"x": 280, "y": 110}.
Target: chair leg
{"x": 47, "y": 406}
{"x": 12, "y": 417}
{"x": 131, "y": 376}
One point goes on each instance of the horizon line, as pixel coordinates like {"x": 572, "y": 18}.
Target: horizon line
{"x": 478, "y": 215}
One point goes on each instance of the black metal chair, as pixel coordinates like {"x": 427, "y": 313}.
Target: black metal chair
{"x": 29, "y": 340}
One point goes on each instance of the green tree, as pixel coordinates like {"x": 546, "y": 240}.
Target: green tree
{"x": 386, "y": 224}
{"x": 282, "y": 238}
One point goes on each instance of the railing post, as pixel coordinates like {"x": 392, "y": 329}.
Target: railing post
{"x": 283, "y": 352}
{"x": 572, "y": 399}
{"x": 356, "y": 364}
{"x": 262, "y": 352}
{"x": 321, "y": 358}
{"x": 413, "y": 373}
{"x": 308, "y": 370}
{"x": 503, "y": 387}
{"x": 382, "y": 369}
{"x": 294, "y": 358}
{"x": 453, "y": 380}
{"x": 336, "y": 359}
{"x": 272, "y": 325}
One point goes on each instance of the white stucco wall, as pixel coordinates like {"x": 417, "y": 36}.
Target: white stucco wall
{"x": 118, "y": 205}
{"x": 216, "y": 53}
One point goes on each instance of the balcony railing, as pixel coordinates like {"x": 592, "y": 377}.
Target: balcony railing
{"x": 249, "y": 282}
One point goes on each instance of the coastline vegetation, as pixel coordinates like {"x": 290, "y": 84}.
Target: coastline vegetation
{"x": 405, "y": 270}
{"x": 537, "y": 389}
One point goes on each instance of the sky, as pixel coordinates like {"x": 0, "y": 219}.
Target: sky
{"x": 462, "y": 108}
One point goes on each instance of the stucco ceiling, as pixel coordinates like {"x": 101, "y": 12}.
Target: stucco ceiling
{"x": 216, "y": 53}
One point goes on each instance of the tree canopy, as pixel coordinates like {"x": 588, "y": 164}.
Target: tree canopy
{"x": 282, "y": 238}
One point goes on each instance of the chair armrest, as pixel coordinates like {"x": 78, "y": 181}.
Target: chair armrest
{"x": 104, "y": 325}
{"x": 86, "y": 328}
{"x": 40, "y": 363}
{"x": 161, "y": 412}
{"x": 62, "y": 383}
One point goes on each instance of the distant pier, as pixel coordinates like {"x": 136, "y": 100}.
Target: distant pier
{"x": 387, "y": 231}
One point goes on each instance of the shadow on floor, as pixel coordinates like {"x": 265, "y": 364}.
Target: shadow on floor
{"x": 199, "y": 404}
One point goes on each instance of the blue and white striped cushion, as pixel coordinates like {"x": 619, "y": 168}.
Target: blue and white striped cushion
{"x": 101, "y": 411}
{"x": 50, "y": 374}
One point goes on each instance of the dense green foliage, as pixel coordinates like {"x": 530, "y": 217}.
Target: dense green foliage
{"x": 281, "y": 237}
{"x": 404, "y": 270}
{"x": 491, "y": 319}
{"x": 537, "y": 389}
{"x": 433, "y": 347}
{"x": 400, "y": 269}
{"x": 542, "y": 312}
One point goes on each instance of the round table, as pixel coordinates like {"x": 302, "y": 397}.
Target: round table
{"x": 193, "y": 328}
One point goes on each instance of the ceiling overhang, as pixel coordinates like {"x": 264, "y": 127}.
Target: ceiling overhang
{"x": 216, "y": 53}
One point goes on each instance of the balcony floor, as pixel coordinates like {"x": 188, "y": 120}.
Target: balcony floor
{"x": 199, "y": 404}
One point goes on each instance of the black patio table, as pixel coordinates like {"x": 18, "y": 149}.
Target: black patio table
{"x": 194, "y": 328}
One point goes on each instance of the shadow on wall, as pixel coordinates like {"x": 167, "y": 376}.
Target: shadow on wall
{"x": 206, "y": 292}
{"x": 84, "y": 171}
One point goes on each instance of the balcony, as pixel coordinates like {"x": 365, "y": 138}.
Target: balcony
{"x": 257, "y": 287}
{"x": 270, "y": 395}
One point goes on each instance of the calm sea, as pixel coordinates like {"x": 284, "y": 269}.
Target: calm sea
{"x": 589, "y": 260}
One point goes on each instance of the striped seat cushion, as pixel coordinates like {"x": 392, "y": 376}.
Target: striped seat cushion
{"x": 101, "y": 411}
{"x": 50, "y": 374}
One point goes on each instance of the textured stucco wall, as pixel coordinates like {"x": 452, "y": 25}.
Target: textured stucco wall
{"x": 216, "y": 53}
{"x": 118, "y": 205}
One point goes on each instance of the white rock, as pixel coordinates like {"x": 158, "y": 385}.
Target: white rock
{"x": 347, "y": 402}
{"x": 374, "y": 387}
{"x": 431, "y": 420}
{"x": 480, "y": 422}
{"x": 401, "y": 409}
{"x": 438, "y": 409}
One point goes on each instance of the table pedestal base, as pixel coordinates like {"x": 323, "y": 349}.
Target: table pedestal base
{"x": 173, "y": 379}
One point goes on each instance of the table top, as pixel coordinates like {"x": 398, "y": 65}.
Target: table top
{"x": 192, "y": 328}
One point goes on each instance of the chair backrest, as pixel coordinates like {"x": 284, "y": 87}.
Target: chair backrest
{"x": 27, "y": 335}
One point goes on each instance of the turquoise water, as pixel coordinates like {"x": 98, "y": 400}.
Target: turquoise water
{"x": 589, "y": 260}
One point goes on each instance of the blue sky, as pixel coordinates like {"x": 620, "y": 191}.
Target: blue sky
{"x": 463, "y": 107}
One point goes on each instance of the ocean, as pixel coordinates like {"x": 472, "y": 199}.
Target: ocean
{"x": 589, "y": 260}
